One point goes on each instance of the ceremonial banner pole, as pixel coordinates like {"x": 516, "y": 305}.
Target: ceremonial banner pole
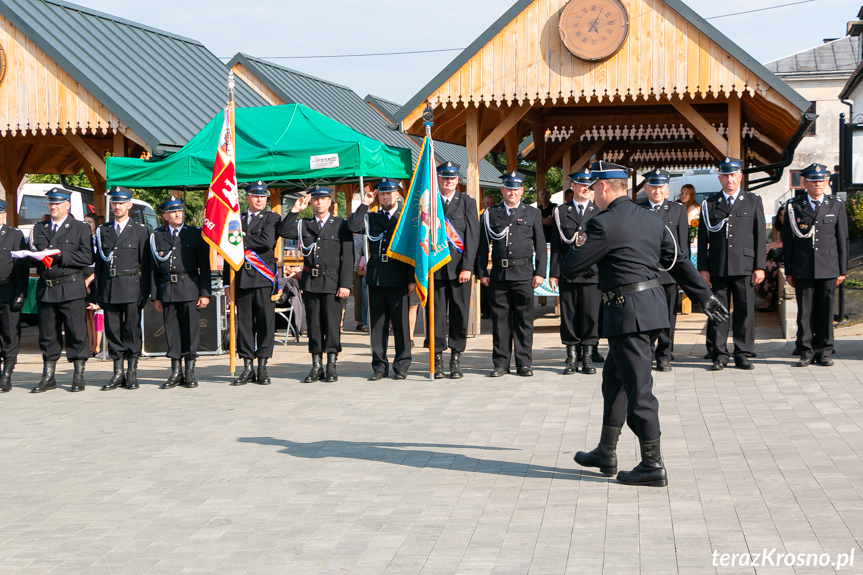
{"x": 232, "y": 308}
{"x": 428, "y": 117}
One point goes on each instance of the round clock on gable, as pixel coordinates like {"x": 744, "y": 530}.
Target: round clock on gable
{"x": 593, "y": 29}
{"x": 2, "y": 65}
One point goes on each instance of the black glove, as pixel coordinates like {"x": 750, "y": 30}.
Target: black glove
{"x": 56, "y": 259}
{"x": 714, "y": 310}
{"x": 17, "y": 304}
{"x": 142, "y": 302}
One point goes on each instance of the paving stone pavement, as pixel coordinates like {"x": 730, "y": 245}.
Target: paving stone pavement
{"x": 466, "y": 476}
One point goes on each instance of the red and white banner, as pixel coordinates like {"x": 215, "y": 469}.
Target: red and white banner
{"x": 222, "y": 224}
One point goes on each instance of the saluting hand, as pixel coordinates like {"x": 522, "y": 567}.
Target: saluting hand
{"x": 369, "y": 197}
{"x": 301, "y": 203}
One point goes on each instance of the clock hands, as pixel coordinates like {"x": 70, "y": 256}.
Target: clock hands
{"x": 594, "y": 25}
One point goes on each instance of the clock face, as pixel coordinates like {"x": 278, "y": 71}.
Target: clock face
{"x": 2, "y": 65}
{"x": 593, "y": 29}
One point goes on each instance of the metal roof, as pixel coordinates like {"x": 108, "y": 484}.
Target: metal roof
{"x": 677, "y": 5}
{"x": 837, "y": 57}
{"x": 328, "y": 98}
{"x": 489, "y": 176}
{"x": 163, "y": 86}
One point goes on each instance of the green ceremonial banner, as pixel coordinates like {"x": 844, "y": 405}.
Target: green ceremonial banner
{"x": 292, "y": 144}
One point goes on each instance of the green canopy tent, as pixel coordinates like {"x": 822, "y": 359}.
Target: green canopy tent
{"x": 286, "y": 146}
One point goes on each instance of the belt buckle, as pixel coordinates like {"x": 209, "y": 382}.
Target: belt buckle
{"x": 385, "y": 258}
{"x": 247, "y": 265}
{"x": 173, "y": 278}
{"x": 49, "y": 283}
{"x": 315, "y": 272}
{"x": 112, "y": 273}
{"x": 504, "y": 263}
{"x": 619, "y": 300}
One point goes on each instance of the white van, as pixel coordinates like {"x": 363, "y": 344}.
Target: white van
{"x": 32, "y": 206}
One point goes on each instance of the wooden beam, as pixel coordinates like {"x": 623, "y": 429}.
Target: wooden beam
{"x": 87, "y": 154}
{"x": 582, "y": 161}
{"x": 510, "y": 141}
{"x": 472, "y": 185}
{"x": 715, "y": 144}
{"x": 566, "y": 167}
{"x": 735, "y": 127}
{"x": 564, "y": 147}
{"x": 119, "y": 145}
{"x": 539, "y": 150}
{"x": 507, "y": 124}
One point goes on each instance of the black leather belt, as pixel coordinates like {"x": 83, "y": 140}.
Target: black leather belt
{"x": 617, "y": 294}
{"x": 112, "y": 273}
{"x": 174, "y": 278}
{"x": 512, "y": 263}
{"x": 315, "y": 272}
{"x": 62, "y": 280}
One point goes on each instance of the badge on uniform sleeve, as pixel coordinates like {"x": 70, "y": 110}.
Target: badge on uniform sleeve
{"x": 579, "y": 241}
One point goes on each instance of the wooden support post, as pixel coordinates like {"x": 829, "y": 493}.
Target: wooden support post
{"x": 633, "y": 185}
{"x": 539, "y": 146}
{"x": 119, "y": 145}
{"x": 704, "y": 131}
{"x": 566, "y": 167}
{"x": 735, "y": 127}
{"x": 511, "y": 143}
{"x": 473, "y": 159}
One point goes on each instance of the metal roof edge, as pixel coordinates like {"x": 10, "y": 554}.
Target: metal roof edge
{"x": 460, "y": 60}
{"x": 739, "y": 54}
{"x": 688, "y": 14}
{"x": 280, "y": 68}
{"x": 852, "y": 82}
{"x": 79, "y": 75}
{"x": 374, "y": 101}
{"x": 812, "y": 49}
{"x": 251, "y": 64}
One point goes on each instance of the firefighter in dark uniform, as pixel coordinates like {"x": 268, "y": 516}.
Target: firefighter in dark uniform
{"x": 60, "y": 291}
{"x": 327, "y": 246}
{"x": 122, "y": 286}
{"x": 390, "y": 282}
{"x": 673, "y": 215}
{"x": 13, "y": 291}
{"x": 579, "y": 296}
{"x": 815, "y": 246}
{"x": 630, "y": 246}
{"x": 180, "y": 287}
{"x": 514, "y": 232}
{"x": 452, "y": 283}
{"x": 732, "y": 255}
{"x": 256, "y": 310}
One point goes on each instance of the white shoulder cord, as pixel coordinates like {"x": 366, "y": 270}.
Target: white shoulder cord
{"x": 560, "y": 230}
{"x": 491, "y": 235}
{"x": 109, "y": 257}
{"x": 32, "y": 231}
{"x": 676, "y": 251}
{"x": 372, "y": 238}
{"x": 306, "y": 251}
{"x": 152, "y": 249}
{"x": 796, "y": 230}
{"x": 705, "y": 216}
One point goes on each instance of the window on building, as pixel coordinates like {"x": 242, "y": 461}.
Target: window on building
{"x": 795, "y": 182}
{"x": 811, "y": 110}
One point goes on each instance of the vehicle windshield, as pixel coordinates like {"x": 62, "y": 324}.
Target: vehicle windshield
{"x": 32, "y": 209}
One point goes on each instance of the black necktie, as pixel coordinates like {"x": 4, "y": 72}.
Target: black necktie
{"x": 580, "y": 210}
{"x": 176, "y": 233}
{"x": 656, "y": 208}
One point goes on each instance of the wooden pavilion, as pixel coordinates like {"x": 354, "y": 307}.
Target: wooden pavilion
{"x": 644, "y": 83}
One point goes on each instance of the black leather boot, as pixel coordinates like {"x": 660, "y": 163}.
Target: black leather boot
{"x": 587, "y": 360}
{"x": 132, "y": 373}
{"x": 571, "y": 360}
{"x": 438, "y": 365}
{"x": 605, "y": 455}
{"x": 119, "y": 377}
{"x": 454, "y": 366}
{"x": 47, "y": 382}
{"x": 176, "y": 374}
{"x": 651, "y": 471}
{"x": 597, "y": 357}
{"x": 332, "y": 374}
{"x": 317, "y": 371}
{"x": 6, "y": 377}
{"x": 263, "y": 377}
{"x": 248, "y": 373}
{"x": 191, "y": 380}
{"x": 78, "y": 376}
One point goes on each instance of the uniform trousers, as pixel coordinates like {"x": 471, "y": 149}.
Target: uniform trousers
{"x": 182, "y": 328}
{"x": 815, "y": 316}
{"x": 390, "y": 304}
{"x": 579, "y": 313}
{"x": 740, "y": 289}
{"x": 122, "y": 329}
{"x": 664, "y": 342}
{"x": 67, "y": 318}
{"x": 10, "y": 331}
{"x": 512, "y": 322}
{"x": 627, "y": 385}
{"x": 453, "y": 296}
{"x": 256, "y": 326}
{"x": 324, "y": 320}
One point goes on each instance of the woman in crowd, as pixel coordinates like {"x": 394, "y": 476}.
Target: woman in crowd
{"x": 687, "y": 198}
{"x": 94, "y": 327}
{"x": 768, "y": 289}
